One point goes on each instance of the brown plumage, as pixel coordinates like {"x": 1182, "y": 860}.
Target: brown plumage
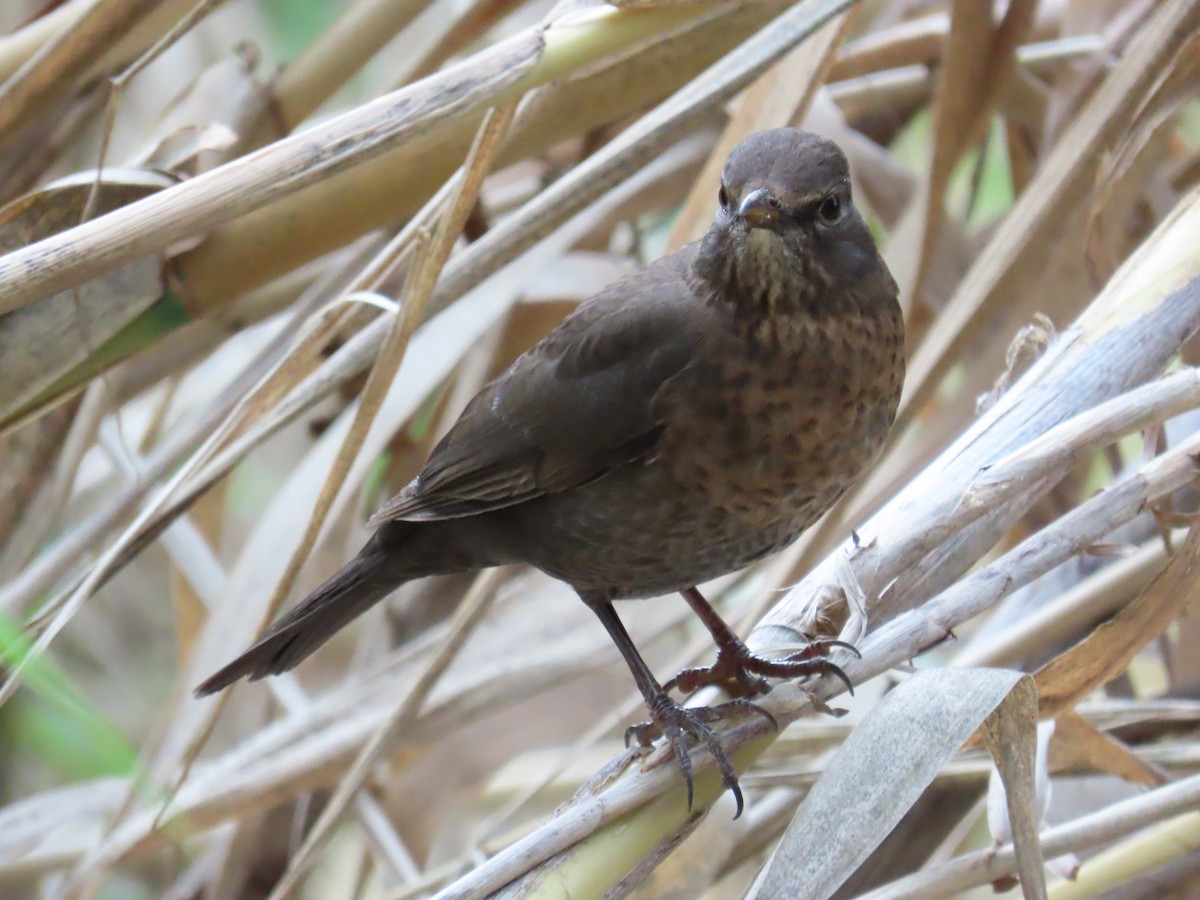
{"x": 689, "y": 419}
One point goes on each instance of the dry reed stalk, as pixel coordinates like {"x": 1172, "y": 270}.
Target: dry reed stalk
{"x": 1038, "y": 161}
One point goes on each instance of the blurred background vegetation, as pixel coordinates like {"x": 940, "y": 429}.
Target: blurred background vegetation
{"x": 176, "y": 387}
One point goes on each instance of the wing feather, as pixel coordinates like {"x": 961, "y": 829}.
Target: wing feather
{"x": 587, "y": 398}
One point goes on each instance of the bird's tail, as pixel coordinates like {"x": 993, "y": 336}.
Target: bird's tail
{"x": 351, "y": 591}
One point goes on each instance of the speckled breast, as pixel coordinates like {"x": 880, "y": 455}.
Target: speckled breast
{"x": 762, "y": 438}
{"x": 786, "y": 433}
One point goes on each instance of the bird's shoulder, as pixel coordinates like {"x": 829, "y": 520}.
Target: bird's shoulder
{"x": 656, "y": 309}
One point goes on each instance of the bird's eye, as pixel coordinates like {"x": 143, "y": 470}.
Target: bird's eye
{"x": 723, "y": 197}
{"x": 830, "y": 210}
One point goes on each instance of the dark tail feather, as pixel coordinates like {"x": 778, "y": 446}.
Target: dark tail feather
{"x": 356, "y": 587}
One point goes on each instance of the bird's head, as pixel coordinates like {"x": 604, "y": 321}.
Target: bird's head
{"x": 786, "y": 233}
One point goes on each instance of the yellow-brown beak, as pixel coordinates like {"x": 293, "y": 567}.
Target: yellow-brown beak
{"x": 759, "y": 209}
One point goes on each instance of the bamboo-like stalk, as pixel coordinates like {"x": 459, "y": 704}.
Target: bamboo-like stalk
{"x": 59, "y": 64}
{"x": 1113, "y": 822}
{"x": 17, "y": 49}
{"x": 420, "y": 111}
{"x": 235, "y": 454}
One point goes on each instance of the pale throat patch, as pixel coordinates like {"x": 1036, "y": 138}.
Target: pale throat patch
{"x": 772, "y": 259}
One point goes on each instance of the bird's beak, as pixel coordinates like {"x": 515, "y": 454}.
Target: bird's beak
{"x": 759, "y": 209}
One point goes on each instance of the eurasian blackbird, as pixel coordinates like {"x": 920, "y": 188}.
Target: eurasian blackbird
{"x": 689, "y": 419}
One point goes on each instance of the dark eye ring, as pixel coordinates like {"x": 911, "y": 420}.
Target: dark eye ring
{"x": 830, "y": 210}
{"x": 723, "y": 197}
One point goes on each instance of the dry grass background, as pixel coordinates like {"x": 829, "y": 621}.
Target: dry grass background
{"x": 322, "y": 226}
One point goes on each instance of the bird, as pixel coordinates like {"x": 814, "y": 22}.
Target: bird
{"x": 687, "y": 420}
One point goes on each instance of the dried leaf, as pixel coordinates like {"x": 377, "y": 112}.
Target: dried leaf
{"x": 1107, "y": 651}
{"x": 211, "y": 121}
{"x": 1079, "y": 745}
{"x": 1010, "y": 734}
{"x": 880, "y": 771}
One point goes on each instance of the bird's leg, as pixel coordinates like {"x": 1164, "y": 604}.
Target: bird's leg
{"x": 741, "y": 672}
{"x": 668, "y": 718}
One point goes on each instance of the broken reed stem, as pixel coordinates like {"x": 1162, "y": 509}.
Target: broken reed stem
{"x": 1084, "y": 833}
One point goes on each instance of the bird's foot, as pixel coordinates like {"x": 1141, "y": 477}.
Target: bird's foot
{"x": 744, "y": 674}
{"x": 676, "y": 723}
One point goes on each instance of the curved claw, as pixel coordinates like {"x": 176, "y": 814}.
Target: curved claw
{"x": 820, "y": 646}
{"x": 675, "y": 723}
{"x": 830, "y": 669}
{"x": 845, "y": 645}
{"x": 850, "y": 647}
{"x": 644, "y": 732}
{"x": 735, "y": 706}
{"x": 679, "y": 748}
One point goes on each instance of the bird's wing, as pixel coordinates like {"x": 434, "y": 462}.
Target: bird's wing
{"x": 587, "y": 398}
